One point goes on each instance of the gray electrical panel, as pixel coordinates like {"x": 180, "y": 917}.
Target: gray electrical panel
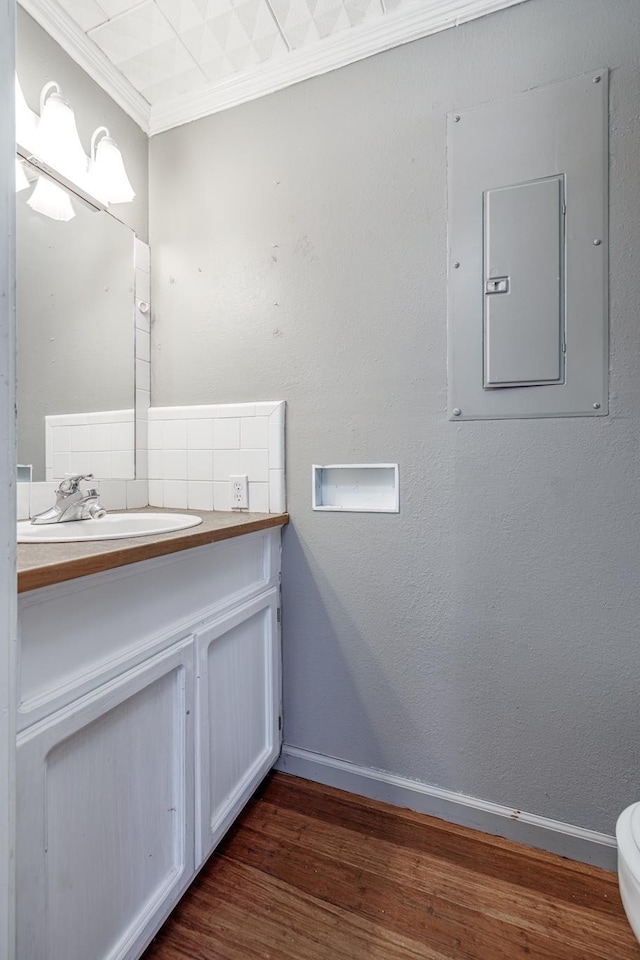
{"x": 528, "y": 324}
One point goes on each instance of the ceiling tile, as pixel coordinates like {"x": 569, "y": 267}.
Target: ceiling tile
{"x": 187, "y": 82}
{"x": 182, "y": 14}
{"x": 306, "y": 21}
{"x": 86, "y": 13}
{"x": 115, "y": 7}
{"x": 218, "y": 68}
{"x": 132, "y": 33}
{"x": 360, "y": 10}
{"x": 232, "y": 37}
{"x": 162, "y": 62}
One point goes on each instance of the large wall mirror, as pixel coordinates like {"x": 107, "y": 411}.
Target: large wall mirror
{"x": 76, "y": 343}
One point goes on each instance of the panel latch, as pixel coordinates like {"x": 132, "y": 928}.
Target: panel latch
{"x": 497, "y": 285}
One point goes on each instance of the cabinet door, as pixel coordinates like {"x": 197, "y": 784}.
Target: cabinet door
{"x": 105, "y": 822}
{"x": 238, "y": 728}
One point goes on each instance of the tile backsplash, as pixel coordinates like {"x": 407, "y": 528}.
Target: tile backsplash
{"x": 193, "y": 451}
{"x": 99, "y": 443}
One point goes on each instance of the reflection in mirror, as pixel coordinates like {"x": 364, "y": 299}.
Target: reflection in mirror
{"x": 76, "y": 351}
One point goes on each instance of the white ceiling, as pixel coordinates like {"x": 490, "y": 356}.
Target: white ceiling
{"x": 170, "y": 61}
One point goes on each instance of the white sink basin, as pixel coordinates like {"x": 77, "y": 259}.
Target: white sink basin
{"x": 115, "y": 526}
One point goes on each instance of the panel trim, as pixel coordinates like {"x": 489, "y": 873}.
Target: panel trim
{"x": 560, "y": 127}
{"x": 74, "y": 41}
{"x": 555, "y": 836}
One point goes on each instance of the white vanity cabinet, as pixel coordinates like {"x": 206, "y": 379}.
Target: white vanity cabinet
{"x": 149, "y": 712}
{"x": 238, "y": 715}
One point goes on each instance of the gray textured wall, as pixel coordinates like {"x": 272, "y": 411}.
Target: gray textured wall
{"x": 40, "y": 59}
{"x": 487, "y": 638}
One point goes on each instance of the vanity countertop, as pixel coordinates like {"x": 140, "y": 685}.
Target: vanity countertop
{"x": 43, "y": 564}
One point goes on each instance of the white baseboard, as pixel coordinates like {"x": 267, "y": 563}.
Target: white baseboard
{"x": 565, "y": 839}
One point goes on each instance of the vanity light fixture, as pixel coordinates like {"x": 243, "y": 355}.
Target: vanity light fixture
{"x": 26, "y": 119}
{"x": 51, "y": 200}
{"x": 109, "y": 180}
{"x": 22, "y": 182}
{"x": 51, "y": 145}
{"x": 57, "y": 141}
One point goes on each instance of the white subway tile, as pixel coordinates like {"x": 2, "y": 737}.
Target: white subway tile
{"x": 277, "y": 496}
{"x": 143, "y": 375}
{"x": 101, "y": 436}
{"x": 41, "y": 497}
{"x": 155, "y": 465}
{"x": 174, "y": 465}
{"x": 143, "y": 285}
{"x": 137, "y": 494}
{"x": 175, "y": 493}
{"x": 143, "y": 400}
{"x": 143, "y": 345}
{"x": 142, "y": 464}
{"x": 199, "y": 495}
{"x": 142, "y": 434}
{"x": 200, "y": 434}
{"x": 155, "y": 435}
{"x": 276, "y": 445}
{"x": 254, "y": 433}
{"x": 122, "y": 464}
{"x": 60, "y": 464}
{"x": 141, "y": 255}
{"x": 266, "y": 407}
{"x": 174, "y": 436}
{"x": 80, "y": 463}
{"x": 235, "y": 410}
{"x": 61, "y": 439}
{"x": 101, "y": 465}
{"x": 80, "y": 438}
{"x": 207, "y": 411}
{"x": 277, "y": 416}
{"x": 259, "y": 497}
{"x": 226, "y": 434}
{"x": 22, "y": 500}
{"x": 156, "y": 493}
{"x": 200, "y": 465}
{"x": 222, "y": 496}
{"x": 113, "y": 494}
{"x": 255, "y": 463}
{"x": 122, "y": 436}
{"x": 143, "y": 319}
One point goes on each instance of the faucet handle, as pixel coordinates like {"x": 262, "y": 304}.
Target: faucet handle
{"x": 71, "y": 483}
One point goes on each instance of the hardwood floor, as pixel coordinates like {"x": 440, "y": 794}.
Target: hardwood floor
{"x": 311, "y": 873}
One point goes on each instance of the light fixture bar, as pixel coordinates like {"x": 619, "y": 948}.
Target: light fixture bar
{"x": 59, "y": 179}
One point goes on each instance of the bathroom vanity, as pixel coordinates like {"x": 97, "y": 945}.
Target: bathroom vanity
{"x": 149, "y": 712}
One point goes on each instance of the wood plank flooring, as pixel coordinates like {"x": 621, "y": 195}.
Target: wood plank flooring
{"x": 311, "y": 873}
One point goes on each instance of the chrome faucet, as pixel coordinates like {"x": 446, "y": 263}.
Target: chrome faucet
{"x": 72, "y": 503}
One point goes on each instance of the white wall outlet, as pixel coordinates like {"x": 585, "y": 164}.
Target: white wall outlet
{"x": 239, "y": 492}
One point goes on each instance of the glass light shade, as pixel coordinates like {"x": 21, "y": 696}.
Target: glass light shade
{"x": 57, "y": 140}
{"x": 21, "y": 178}
{"x": 51, "y": 200}
{"x": 26, "y": 120}
{"x": 109, "y": 180}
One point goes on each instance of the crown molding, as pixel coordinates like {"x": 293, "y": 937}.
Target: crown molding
{"x": 388, "y": 31}
{"x": 65, "y": 31}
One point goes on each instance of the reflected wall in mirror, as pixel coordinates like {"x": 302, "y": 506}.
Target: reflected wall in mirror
{"x": 76, "y": 346}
